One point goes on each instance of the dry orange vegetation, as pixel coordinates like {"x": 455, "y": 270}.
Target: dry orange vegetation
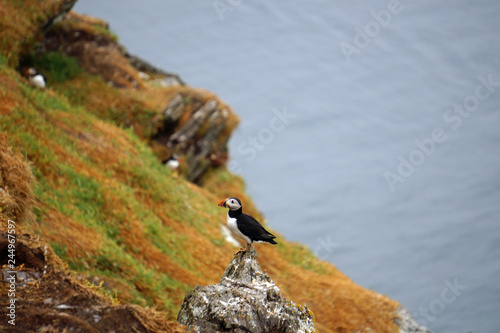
{"x": 113, "y": 213}
{"x": 20, "y": 24}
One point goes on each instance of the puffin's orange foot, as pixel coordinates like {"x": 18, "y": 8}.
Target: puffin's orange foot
{"x": 244, "y": 249}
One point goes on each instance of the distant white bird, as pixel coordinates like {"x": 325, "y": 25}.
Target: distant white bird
{"x": 36, "y": 79}
{"x": 172, "y": 162}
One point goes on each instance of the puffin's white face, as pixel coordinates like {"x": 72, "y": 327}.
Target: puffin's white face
{"x": 231, "y": 203}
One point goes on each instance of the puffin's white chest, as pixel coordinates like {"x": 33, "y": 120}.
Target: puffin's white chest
{"x": 233, "y": 226}
{"x": 38, "y": 81}
{"x": 173, "y": 164}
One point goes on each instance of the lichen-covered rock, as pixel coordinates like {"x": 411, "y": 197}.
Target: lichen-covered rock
{"x": 245, "y": 300}
{"x": 407, "y": 324}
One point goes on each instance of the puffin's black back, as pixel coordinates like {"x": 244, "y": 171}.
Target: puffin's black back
{"x": 251, "y": 228}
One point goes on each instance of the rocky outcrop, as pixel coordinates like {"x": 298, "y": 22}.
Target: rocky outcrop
{"x": 198, "y": 128}
{"x": 245, "y": 300}
{"x": 407, "y": 324}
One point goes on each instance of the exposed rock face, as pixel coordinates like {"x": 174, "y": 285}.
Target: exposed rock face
{"x": 245, "y": 300}
{"x": 407, "y": 324}
{"x": 197, "y": 131}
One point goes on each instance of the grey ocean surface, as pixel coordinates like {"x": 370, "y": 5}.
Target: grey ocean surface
{"x": 355, "y": 139}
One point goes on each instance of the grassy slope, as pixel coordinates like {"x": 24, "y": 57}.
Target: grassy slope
{"x": 109, "y": 209}
{"x": 20, "y": 23}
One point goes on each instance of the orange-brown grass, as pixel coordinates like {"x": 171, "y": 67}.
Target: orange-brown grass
{"x": 88, "y": 24}
{"x": 7, "y": 96}
{"x": 78, "y": 239}
{"x": 110, "y": 209}
{"x": 16, "y": 182}
{"x": 20, "y": 24}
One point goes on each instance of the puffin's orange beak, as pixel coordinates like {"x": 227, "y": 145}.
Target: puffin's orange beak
{"x": 222, "y": 203}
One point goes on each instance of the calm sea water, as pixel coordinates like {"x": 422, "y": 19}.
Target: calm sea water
{"x": 370, "y": 132}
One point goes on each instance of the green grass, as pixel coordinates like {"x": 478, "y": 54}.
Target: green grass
{"x": 100, "y": 30}
{"x": 111, "y": 294}
{"x": 59, "y": 249}
{"x": 56, "y": 66}
{"x": 301, "y": 256}
{"x": 3, "y": 60}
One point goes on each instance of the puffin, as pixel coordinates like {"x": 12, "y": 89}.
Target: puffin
{"x": 36, "y": 79}
{"x": 245, "y": 226}
{"x": 172, "y": 162}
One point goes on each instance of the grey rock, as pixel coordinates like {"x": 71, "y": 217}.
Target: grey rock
{"x": 144, "y": 66}
{"x": 64, "y": 7}
{"x": 174, "y": 109}
{"x": 197, "y": 139}
{"x": 21, "y": 278}
{"x": 245, "y": 300}
{"x": 407, "y": 324}
{"x": 192, "y": 126}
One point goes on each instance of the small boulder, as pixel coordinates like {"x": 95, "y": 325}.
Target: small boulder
{"x": 245, "y": 300}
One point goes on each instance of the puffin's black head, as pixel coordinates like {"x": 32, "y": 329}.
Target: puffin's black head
{"x": 232, "y": 203}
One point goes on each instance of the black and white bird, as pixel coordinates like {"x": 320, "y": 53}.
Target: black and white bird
{"x": 172, "y": 162}
{"x": 36, "y": 79}
{"x": 244, "y": 226}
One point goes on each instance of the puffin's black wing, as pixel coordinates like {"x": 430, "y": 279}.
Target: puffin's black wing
{"x": 254, "y": 230}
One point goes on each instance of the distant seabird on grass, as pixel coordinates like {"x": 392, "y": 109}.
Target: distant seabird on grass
{"x": 36, "y": 79}
{"x": 244, "y": 226}
{"x": 172, "y": 162}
